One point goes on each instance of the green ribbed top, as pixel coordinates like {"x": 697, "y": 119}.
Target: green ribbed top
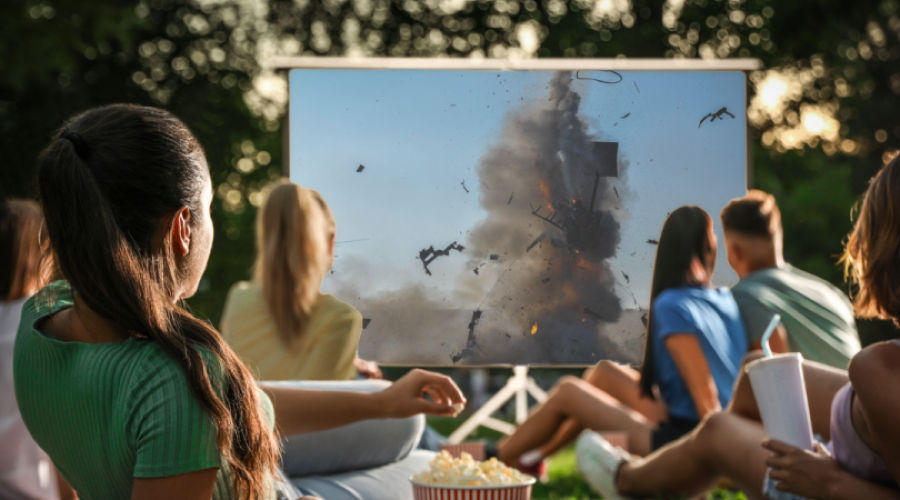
{"x": 110, "y": 412}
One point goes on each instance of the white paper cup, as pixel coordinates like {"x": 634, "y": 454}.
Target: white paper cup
{"x": 781, "y": 397}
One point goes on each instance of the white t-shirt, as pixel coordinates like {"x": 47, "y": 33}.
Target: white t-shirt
{"x": 25, "y": 470}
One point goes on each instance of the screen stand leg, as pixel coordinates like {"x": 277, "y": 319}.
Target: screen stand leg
{"x": 519, "y": 385}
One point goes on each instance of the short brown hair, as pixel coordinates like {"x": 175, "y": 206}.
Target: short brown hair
{"x": 871, "y": 251}
{"x": 755, "y": 214}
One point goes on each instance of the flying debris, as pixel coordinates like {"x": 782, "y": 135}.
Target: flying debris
{"x": 471, "y": 344}
{"x": 626, "y": 115}
{"x": 495, "y": 256}
{"x": 636, "y": 87}
{"x": 475, "y": 270}
{"x": 463, "y": 184}
{"x": 594, "y": 314}
{"x": 614, "y": 73}
{"x": 715, "y": 116}
{"x": 653, "y": 242}
{"x": 550, "y": 219}
{"x": 427, "y": 255}
{"x": 535, "y": 242}
{"x": 627, "y": 278}
{"x": 360, "y": 168}
{"x": 510, "y": 198}
{"x": 366, "y": 322}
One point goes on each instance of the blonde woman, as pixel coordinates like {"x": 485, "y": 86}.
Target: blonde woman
{"x": 279, "y": 323}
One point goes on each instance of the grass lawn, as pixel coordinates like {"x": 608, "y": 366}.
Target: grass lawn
{"x": 564, "y": 482}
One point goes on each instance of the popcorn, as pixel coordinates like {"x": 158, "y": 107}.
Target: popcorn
{"x": 466, "y": 471}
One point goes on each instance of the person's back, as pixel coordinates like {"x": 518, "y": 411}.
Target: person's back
{"x": 325, "y": 351}
{"x": 711, "y": 316}
{"x": 128, "y": 395}
{"x": 280, "y": 323}
{"x": 817, "y": 315}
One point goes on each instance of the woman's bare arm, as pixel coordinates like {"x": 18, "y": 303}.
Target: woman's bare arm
{"x": 303, "y": 410}
{"x": 875, "y": 375}
{"x": 692, "y": 365}
{"x": 196, "y": 485}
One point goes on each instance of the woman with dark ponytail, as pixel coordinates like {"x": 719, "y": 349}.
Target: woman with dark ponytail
{"x": 129, "y": 394}
{"x": 694, "y": 345}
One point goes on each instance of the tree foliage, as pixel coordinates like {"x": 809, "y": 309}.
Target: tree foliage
{"x": 820, "y": 112}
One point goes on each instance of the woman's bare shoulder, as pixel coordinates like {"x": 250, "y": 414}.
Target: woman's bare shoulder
{"x": 876, "y": 366}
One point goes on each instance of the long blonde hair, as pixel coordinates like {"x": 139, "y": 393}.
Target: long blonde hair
{"x": 294, "y": 229}
{"x": 872, "y": 251}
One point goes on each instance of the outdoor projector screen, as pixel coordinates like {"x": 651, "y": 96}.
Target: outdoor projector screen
{"x": 490, "y": 217}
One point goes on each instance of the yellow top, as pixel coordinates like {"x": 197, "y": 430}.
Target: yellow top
{"x": 325, "y": 351}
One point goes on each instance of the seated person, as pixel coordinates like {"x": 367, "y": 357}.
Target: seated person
{"x": 856, "y": 410}
{"x": 25, "y": 264}
{"x": 695, "y": 343}
{"x": 817, "y": 317}
{"x": 280, "y": 324}
{"x": 129, "y": 394}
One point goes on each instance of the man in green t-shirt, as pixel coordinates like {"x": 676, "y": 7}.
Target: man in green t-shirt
{"x": 816, "y": 317}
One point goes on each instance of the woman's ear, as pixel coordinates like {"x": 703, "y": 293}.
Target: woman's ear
{"x": 181, "y": 231}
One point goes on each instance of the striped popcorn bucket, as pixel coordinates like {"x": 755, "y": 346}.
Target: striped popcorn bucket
{"x": 424, "y": 491}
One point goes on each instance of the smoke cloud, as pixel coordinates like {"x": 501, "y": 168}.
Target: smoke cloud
{"x": 537, "y": 264}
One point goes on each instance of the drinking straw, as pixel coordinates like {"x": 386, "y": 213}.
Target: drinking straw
{"x": 776, "y": 318}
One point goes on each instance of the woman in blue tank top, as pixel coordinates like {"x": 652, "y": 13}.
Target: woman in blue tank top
{"x": 694, "y": 345}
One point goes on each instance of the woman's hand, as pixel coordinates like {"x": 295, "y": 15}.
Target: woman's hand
{"x": 803, "y": 472}
{"x": 368, "y": 369}
{"x": 406, "y": 396}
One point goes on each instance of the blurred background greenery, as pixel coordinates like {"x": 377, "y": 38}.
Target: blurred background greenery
{"x": 820, "y": 112}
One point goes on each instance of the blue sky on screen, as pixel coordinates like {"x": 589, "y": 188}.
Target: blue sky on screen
{"x": 421, "y": 134}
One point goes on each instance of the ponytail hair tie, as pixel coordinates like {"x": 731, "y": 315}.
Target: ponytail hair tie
{"x": 81, "y": 147}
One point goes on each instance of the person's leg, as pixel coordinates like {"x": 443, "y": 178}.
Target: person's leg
{"x": 589, "y": 406}
{"x": 622, "y": 382}
{"x": 723, "y": 445}
{"x": 822, "y": 383}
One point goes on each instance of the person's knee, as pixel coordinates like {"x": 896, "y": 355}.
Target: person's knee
{"x": 712, "y": 433}
{"x": 569, "y": 383}
{"x": 604, "y": 369}
{"x": 751, "y": 356}
{"x": 742, "y": 400}
{"x": 567, "y": 388}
